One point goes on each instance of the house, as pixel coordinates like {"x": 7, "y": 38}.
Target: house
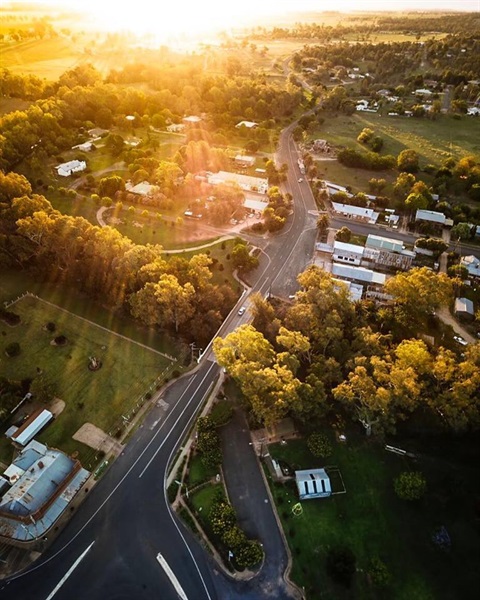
{"x": 175, "y": 127}
{"x": 313, "y": 483}
{"x": 245, "y": 182}
{"x": 356, "y": 212}
{"x": 355, "y": 290}
{"x": 464, "y": 309}
{"x": 244, "y": 161}
{"x": 472, "y": 264}
{"x": 41, "y": 483}
{"x": 141, "y": 189}
{"x": 254, "y": 204}
{"x": 431, "y": 216}
{"x": 347, "y": 253}
{"x": 247, "y": 124}
{"x": 85, "y": 147}
{"x": 29, "y": 428}
{"x": 473, "y": 111}
{"x": 423, "y": 92}
{"x": 73, "y": 166}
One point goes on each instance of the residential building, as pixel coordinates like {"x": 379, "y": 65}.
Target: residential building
{"x": 30, "y": 427}
{"x": 41, "y": 483}
{"x": 313, "y": 483}
{"x": 192, "y": 120}
{"x": 247, "y": 124}
{"x": 255, "y": 203}
{"x": 70, "y": 167}
{"x": 464, "y": 308}
{"x": 472, "y": 264}
{"x": 431, "y": 216}
{"x": 358, "y": 274}
{"x": 245, "y": 182}
{"x": 85, "y": 147}
{"x": 141, "y": 189}
{"x": 244, "y": 161}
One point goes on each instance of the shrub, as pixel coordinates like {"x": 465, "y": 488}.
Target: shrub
{"x": 10, "y": 318}
{"x": 249, "y": 554}
{"x": 410, "y": 485}
{"x": 221, "y": 413}
{"x": 379, "y": 573}
{"x": 50, "y": 326}
{"x": 60, "y": 340}
{"x": 341, "y": 565}
{"x": 319, "y": 445}
{"x": 13, "y": 349}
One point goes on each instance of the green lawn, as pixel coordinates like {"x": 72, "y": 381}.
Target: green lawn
{"x": 198, "y": 472}
{"x": 100, "y": 397}
{"x": 373, "y": 522}
{"x": 433, "y": 140}
{"x": 14, "y": 284}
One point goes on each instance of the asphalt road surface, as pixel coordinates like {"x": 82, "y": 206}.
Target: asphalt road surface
{"x": 124, "y": 538}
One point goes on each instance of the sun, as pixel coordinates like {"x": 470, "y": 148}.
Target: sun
{"x": 170, "y": 19}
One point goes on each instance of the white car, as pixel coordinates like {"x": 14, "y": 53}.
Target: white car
{"x": 300, "y": 180}
{"x": 460, "y": 340}
{"x": 242, "y": 311}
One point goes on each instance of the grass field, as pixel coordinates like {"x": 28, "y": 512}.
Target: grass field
{"x": 99, "y": 397}
{"x": 8, "y": 105}
{"x": 373, "y": 522}
{"x": 15, "y": 283}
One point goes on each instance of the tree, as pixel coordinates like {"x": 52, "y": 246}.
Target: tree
{"x": 343, "y": 235}
{"x": 242, "y": 259}
{"x": 410, "y": 485}
{"x": 408, "y": 161}
{"x": 42, "y": 389}
{"x": 110, "y": 185}
{"x": 365, "y": 135}
{"x": 319, "y": 445}
{"x": 323, "y": 223}
{"x": 13, "y": 349}
{"x": 418, "y": 293}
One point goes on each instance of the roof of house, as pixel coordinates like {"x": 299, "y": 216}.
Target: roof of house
{"x": 192, "y": 119}
{"x": 464, "y": 305}
{"x": 356, "y": 211}
{"x": 353, "y": 273}
{"x": 472, "y": 263}
{"x": 72, "y": 164}
{"x": 142, "y": 189}
{"x": 241, "y": 180}
{"x": 383, "y": 243}
{"x": 245, "y": 159}
{"x": 344, "y": 247}
{"x": 253, "y": 204}
{"x": 247, "y": 124}
{"x": 430, "y": 215}
{"x": 313, "y": 483}
{"x": 29, "y": 428}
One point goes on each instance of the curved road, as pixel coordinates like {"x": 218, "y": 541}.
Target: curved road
{"x": 113, "y": 547}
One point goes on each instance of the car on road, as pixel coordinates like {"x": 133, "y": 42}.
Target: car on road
{"x": 242, "y": 310}
{"x": 300, "y": 180}
{"x": 460, "y": 340}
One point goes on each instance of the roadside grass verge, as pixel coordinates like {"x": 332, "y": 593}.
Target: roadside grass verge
{"x": 99, "y": 397}
{"x": 374, "y": 523}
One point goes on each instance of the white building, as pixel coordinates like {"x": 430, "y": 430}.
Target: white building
{"x": 356, "y": 212}
{"x": 245, "y": 182}
{"x": 354, "y": 289}
{"x": 313, "y": 483}
{"x": 142, "y": 189}
{"x": 245, "y": 161}
{"x": 247, "y": 124}
{"x": 347, "y": 253}
{"x": 73, "y": 166}
{"x": 29, "y": 428}
{"x": 192, "y": 120}
{"x": 253, "y": 203}
{"x": 358, "y": 274}
{"x": 472, "y": 264}
{"x": 431, "y": 216}
{"x": 85, "y": 147}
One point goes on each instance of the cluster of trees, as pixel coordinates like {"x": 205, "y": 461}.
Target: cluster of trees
{"x": 324, "y": 351}
{"x": 365, "y": 160}
{"x": 367, "y": 136}
{"x": 174, "y": 294}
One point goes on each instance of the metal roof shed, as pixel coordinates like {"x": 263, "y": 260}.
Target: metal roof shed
{"x": 313, "y": 483}
{"x": 35, "y": 423}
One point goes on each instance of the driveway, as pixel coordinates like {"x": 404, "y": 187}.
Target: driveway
{"x": 248, "y": 494}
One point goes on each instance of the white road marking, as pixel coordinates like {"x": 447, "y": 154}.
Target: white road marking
{"x": 69, "y": 572}
{"x": 174, "y": 425}
{"x": 171, "y": 575}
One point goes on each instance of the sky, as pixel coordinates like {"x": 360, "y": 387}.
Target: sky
{"x": 196, "y": 16}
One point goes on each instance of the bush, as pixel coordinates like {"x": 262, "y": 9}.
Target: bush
{"x": 10, "y": 318}
{"x": 319, "y": 445}
{"x": 50, "y": 327}
{"x": 60, "y": 340}
{"x": 341, "y": 565}
{"x": 249, "y": 554}
{"x": 410, "y": 485}
{"x": 379, "y": 573}
{"x": 13, "y": 349}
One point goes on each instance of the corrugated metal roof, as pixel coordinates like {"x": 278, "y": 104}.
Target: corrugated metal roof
{"x": 344, "y": 247}
{"x": 31, "y": 427}
{"x": 464, "y": 305}
{"x": 378, "y": 241}
{"x": 358, "y": 274}
{"x": 430, "y": 215}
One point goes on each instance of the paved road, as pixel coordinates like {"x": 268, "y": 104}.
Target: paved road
{"x": 113, "y": 542}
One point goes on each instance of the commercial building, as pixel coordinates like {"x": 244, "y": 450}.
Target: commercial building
{"x": 387, "y": 252}
{"x": 356, "y": 212}
{"x": 347, "y": 253}
{"x": 36, "y": 489}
